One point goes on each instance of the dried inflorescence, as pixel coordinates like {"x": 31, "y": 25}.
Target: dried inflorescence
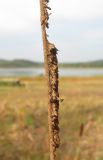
{"x": 51, "y": 63}
{"x": 54, "y": 94}
{"x": 45, "y": 16}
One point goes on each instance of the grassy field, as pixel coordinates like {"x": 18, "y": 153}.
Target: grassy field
{"x": 23, "y": 119}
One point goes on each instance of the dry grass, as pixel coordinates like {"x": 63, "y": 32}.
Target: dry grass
{"x": 23, "y": 120}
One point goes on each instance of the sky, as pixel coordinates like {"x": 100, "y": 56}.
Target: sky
{"x": 76, "y": 27}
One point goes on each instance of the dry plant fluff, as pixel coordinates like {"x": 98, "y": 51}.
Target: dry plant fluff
{"x": 51, "y": 68}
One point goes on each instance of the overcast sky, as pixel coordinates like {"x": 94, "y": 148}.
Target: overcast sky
{"x": 76, "y": 29}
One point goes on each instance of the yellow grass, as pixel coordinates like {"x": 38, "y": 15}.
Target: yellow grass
{"x": 23, "y": 120}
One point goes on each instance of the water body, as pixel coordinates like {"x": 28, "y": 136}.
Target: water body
{"x": 67, "y": 72}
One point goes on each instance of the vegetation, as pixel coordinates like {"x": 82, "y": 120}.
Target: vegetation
{"x": 23, "y": 120}
{"x": 19, "y": 63}
{"x": 51, "y": 70}
{"x": 27, "y": 64}
{"x": 91, "y": 64}
{"x": 10, "y": 82}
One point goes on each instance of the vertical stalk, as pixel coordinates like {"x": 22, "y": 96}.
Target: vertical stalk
{"x": 51, "y": 70}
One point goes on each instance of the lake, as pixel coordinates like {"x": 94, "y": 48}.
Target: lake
{"x": 67, "y": 72}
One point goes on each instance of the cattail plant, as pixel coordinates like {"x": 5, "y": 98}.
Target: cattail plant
{"x": 51, "y": 69}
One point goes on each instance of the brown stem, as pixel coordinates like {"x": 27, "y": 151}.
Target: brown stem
{"x": 51, "y": 69}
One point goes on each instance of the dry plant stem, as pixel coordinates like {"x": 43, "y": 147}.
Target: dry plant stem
{"x": 51, "y": 69}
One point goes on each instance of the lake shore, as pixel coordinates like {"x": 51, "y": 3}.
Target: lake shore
{"x": 66, "y": 72}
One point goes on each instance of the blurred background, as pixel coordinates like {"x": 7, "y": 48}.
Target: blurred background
{"x": 76, "y": 27}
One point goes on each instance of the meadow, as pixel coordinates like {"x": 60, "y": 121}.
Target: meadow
{"x": 24, "y": 126}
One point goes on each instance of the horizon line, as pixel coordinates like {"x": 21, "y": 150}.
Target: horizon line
{"x": 25, "y": 59}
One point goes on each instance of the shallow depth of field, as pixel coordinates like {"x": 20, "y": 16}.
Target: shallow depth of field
{"x": 24, "y": 126}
